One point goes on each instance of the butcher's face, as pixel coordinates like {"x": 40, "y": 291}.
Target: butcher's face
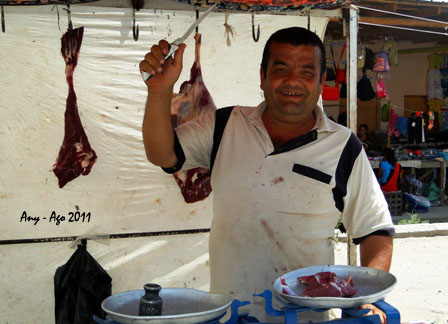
{"x": 292, "y": 84}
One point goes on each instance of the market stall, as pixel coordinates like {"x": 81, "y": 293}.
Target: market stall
{"x": 133, "y": 217}
{"x": 401, "y": 89}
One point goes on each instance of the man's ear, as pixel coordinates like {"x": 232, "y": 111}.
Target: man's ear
{"x": 262, "y": 78}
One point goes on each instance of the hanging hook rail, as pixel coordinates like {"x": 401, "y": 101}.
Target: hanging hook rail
{"x": 197, "y": 17}
{"x": 137, "y": 5}
{"x": 229, "y": 30}
{"x": 57, "y": 12}
{"x": 257, "y": 36}
{"x": 3, "y": 20}
{"x": 135, "y": 30}
{"x": 69, "y": 16}
{"x": 309, "y": 19}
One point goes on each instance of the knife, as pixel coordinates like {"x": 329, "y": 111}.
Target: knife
{"x": 174, "y": 46}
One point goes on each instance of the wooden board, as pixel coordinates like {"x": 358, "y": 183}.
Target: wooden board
{"x": 367, "y": 112}
{"x": 414, "y": 103}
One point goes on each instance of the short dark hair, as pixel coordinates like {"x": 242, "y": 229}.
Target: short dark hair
{"x": 364, "y": 126}
{"x": 295, "y": 36}
{"x": 389, "y": 155}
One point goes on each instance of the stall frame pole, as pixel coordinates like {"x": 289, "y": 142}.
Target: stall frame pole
{"x": 351, "y": 25}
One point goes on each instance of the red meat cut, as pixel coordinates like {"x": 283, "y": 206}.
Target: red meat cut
{"x": 192, "y": 100}
{"x": 75, "y": 156}
{"x": 327, "y": 284}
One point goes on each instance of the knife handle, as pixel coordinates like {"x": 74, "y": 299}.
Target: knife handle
{"x": 171, "y": 50}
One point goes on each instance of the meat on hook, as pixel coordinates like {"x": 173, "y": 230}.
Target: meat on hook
{"x": 192, "y": 100}
{"x": 75, "y": 156}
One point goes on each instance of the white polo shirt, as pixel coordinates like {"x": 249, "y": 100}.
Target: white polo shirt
{"x": 276, "y": 211}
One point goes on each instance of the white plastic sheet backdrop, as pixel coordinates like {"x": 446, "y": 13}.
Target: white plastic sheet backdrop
{"x": 124, "y": 193}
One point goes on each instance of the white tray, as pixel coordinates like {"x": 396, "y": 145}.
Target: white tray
{"x": 180, "y": 305}
{"x": 372, "y": 285}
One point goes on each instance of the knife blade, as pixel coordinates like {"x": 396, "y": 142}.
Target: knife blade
{"x": 174, "y": 46}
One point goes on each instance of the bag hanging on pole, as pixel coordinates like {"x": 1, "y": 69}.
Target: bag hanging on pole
{"x": 381, "y": 62}
{"x": 391, "y": 48}
{"x": 343, "y": 92}
{"x": 365, "y": 90}
{"x": 330, "y": 93}
{"x": 369, "y": 61}
{"x": 341, "y": 76}
{"x": 385, "y": 112}
{"x": 381, "y": 88}
{"x": 331, "y": 75}
{"x": 361, "y": 56}
{"x": 80, "y": 286}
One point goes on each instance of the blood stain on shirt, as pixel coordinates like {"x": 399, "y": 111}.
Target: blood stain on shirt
{"x": 271, "y": 234}
{"x": 277, "y": 180}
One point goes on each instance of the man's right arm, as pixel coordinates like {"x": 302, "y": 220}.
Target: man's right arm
{"x": 158, "y": 135}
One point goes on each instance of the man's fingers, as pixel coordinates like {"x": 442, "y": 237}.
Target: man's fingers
{"x": 381, "y": 314}
{"x": 144, "y": 66}
{"x": 155, "y": 58}
{"x": 151, "y": 64}
{"x": 166, "y": 71}
{"x": 178, "y": 56}
{"x": 156, "y": 51}
{"x": 375, "y": 311}
{"x": 164, "y": 46}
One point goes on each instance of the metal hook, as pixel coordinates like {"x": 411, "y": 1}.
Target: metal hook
{"x": 134, "y": 29}
{"x": 257, "y": 37}
{"x": 197, "y": 17}
{"x": 137, "y": 5}
{"x": 69, "y": 16}
{"x": 309, "y": 19}
{"x": 3, "y": 21}
{"x": 59, "y": 18}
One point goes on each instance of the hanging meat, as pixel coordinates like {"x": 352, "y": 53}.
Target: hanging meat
{"x": 76, "y": 156}
{"x": 192, "y": 100}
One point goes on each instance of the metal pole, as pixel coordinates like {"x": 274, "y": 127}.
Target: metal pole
{"x": 351, "y": 22}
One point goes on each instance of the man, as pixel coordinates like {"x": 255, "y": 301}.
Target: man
{"x": 363, "y": 135}
{"x": 283, "y": 173}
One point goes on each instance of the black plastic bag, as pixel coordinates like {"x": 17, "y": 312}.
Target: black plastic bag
{"x": 330, "y": 75}
{"x": 369, "y": 61}
{"x": 365, "y": 90}
{"x": 343, "y": 93}
{"x": 80, "y": 286}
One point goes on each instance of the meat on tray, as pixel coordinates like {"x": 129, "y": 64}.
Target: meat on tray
{"x": 192, "y": 100}
{"x": 327, "y": 284}
{"x": 75, "y": 156}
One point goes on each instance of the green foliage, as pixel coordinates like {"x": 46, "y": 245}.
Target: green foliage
{"x": 413, "y": 219}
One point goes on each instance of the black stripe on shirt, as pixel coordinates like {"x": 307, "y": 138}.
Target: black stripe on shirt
{"x": 180, "y": 156}
{"x": 344, "y": 169}
{"x": 383, "y": 232}
{"x": 312, "y": 173}
{"x": 296, "y": 142}
{"x": 222, "y": 116}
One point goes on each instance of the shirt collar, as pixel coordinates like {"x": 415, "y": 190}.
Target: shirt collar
{"x": 323, "y": 124}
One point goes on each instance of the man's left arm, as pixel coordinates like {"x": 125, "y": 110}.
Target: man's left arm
{"x": 366, "y": 211}
{"x": 376, "y": 252}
